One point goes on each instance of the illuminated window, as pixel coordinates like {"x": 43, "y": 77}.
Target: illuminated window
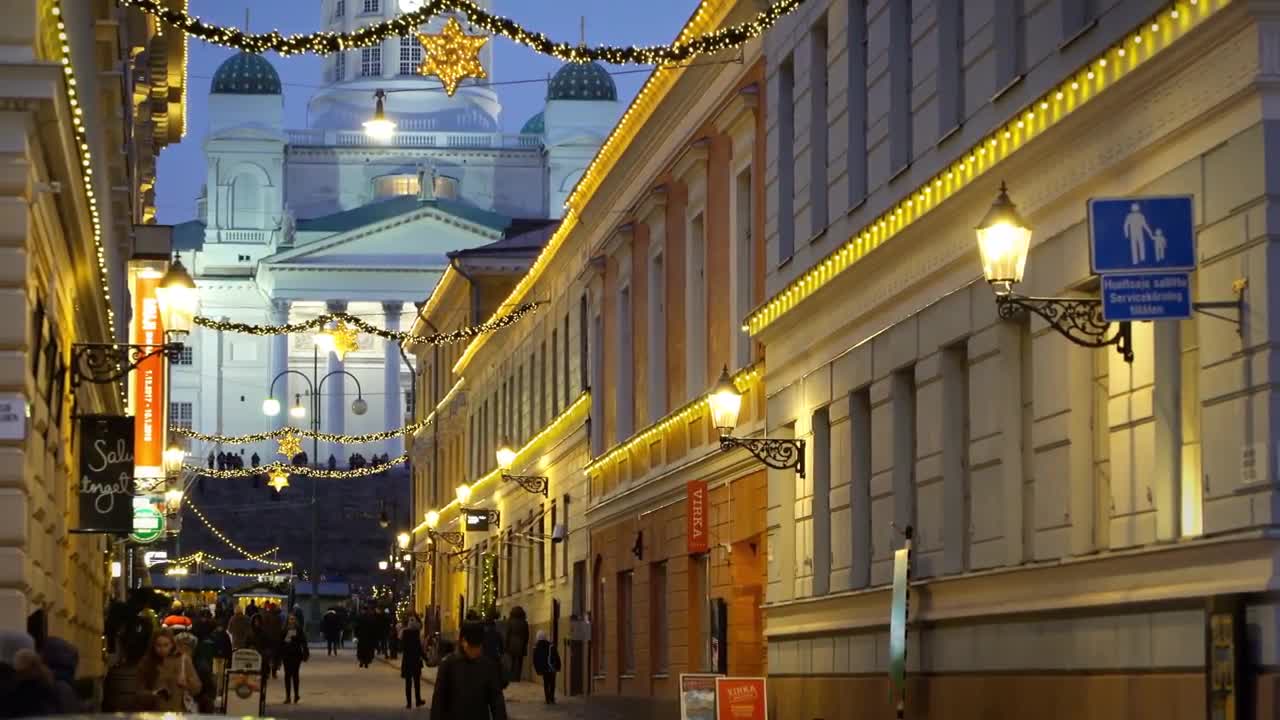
{"x": 370, "y": 60}
{"x": 395, "y": 185}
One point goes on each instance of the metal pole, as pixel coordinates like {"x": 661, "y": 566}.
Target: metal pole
{"x": 315, "y": 505}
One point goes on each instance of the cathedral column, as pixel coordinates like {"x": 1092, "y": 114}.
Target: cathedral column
{"x": 335, "y": 397}
{"x": 392, "y": 402}
{"x": 279, "y": 362}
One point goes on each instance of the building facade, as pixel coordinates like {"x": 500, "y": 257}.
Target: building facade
{"x": 296, "y": 222}
{"x": 1076, "y": 524}
{"x": 89, "y": 94}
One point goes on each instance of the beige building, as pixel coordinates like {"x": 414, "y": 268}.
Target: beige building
{"x": 79, "y": 81}
{"x": 1075, "y": 515}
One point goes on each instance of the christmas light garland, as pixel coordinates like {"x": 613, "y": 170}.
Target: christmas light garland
{"x": 299, "y": 432}
{"x": 325, "y": 42}
{"x": 303, "y": 470}
{"x": 354, "y": 321}
{"x": 258, "y": 557}
{"x": 204, "y": 560}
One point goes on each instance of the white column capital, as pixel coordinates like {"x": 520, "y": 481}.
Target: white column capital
{"x": 393, "y": 309}
{"x": 335, "y": 306}
{"x": 280, "y": 311}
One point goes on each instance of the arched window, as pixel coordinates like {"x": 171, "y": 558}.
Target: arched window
{"x": 246, "y": 201}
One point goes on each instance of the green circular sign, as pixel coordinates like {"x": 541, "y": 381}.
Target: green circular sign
{"x": 148, "y": 524}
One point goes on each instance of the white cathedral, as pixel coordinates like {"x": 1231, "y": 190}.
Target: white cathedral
{"x": 292, "y": 222}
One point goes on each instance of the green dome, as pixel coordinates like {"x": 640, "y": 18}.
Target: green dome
{"x": 534, "y": 126}
{"x": 582, "y": 81}
{"x": 246, "y": 74}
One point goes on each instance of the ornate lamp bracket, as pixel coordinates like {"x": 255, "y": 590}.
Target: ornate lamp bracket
{"x": 106, "y": 363}
{"x": 533, "y": 484}
{"x": 777, "y": 453}
{"x": 453, "y": 537}
{"x": 1077, "y": 319}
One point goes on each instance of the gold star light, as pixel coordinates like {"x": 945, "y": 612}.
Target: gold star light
{"x": 279, "y": 479}
{"x": 290, "y": 445}
{"x": 345, "y": 339}
{"x": 452, "y": 55}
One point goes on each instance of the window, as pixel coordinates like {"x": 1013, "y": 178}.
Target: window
{"x": 371, "y": 6}
{"x": 696, "y": 307}
{"x": 339, "y": 8}
{"x": 395, "y": 185}
{"x": 584, "y": 361}
{"x": 410, "y": 55}
{"x": 744, "y": 270}
{"x": 658, "y": 640}
{"x": 599, "y": 619}
{"x": 555, "y": 372}
{"x": 370, "y": 61}
{"x": 506, "y": 556}
{"x": 818, "y": 127}
{"x": 542, "y": 385}
{"x": 786, "y": 159}
{"x": 857, "y": 70}
{"x": 564, "y": 544}
{"x": 180, "y": 414}
{"x": 339, "y": 66}
{"x": 186, "y": 355}
{"x": 554, "y": 517}
{"x": 955, "y": 444}
{"x": 951, "y": 66}
{"x": 657, "y": 351}
{"x": 624, "y": 413}
{"x": 1077, "y": 17}
{"x": 542, "y": 544}
{"x": 626, "y": 636}
{"x": 700, "y": 608}
{"x": 1008, "y": 29}
{"x": 900, "y": 85}
{"x": 565, "y": 336}
{"x": 408, "y": 403}
{"x": 820, "y": 503}
{"x": 860, "y": 486}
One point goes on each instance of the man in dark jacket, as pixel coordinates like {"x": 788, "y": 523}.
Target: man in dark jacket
{"x": 516, "y": 642}
{"x": 468, "y": 683}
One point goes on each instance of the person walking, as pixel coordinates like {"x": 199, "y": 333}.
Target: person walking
{"x": 516, "y": 642}
{"x": 469, "y": 683}
{"x": 240, "y": 628}
{"x": 546, "y": 662}
{"x": 366, "y": 637}
{"x": 271, "y": 632}
{"x": 161, "y": 674}
{"x": 411, "y": 660}
{"x": 493, "y": 642}
{"x": 332, "y": 627}
{"x": 293, "y": 652}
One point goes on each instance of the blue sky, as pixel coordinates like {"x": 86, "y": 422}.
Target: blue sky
{"x": 182, "y": 167}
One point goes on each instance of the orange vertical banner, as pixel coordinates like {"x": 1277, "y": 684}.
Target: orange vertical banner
{"x": 696, "y": 517}
{"x": 148, "y": 379}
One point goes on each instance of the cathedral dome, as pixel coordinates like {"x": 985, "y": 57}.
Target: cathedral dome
{"x": 245, "y": 74}
{"x": 535, "y": 125}
{"x": 582, "y": 81}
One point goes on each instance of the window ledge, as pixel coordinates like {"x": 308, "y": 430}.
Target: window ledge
{"x": 627, "y": 676}
{"x": 955, "y": 130}
{"x": 786, "y": 261}
{"x": 1077, "y": 34}
{"x": 899, "y": 172}
{"x": 660, "y": 676}
{"x": 819, "y": 235}
{"x": 1011, "y": 85}
{"x": 857, "y": 205}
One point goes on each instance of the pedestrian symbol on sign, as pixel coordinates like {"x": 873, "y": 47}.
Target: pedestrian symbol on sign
{"x": 1142, "y": 234}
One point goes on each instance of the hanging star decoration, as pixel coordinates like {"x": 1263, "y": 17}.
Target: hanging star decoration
{"x": 279, "y": 479}
{"x": 452, "y": 55}
{"x": 290, "y": 446}
{"x": 345, "y": 339}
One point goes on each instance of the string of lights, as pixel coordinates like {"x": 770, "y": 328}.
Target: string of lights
{"x": 257, "y": 557}
{"x": 206, "y": 560}
{"x": 86, "y": 162}
{"x": 300, "y": 432}
{"x": 358, "y": 323}
{"x": 326, "y": 42}
{"x": 303, "y": 470}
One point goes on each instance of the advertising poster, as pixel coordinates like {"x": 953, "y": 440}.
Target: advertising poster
{"x": 244, "y": 695}
{"x": 148, "y": 379}
{"x": 741, "y": 698}
{"x": 106, "y": 474}
{"x": 697, "y": 696}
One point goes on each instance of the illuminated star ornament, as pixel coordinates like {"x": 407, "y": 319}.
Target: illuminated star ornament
{"x": 345, "y": 339}
{"x": 279, "y": 479}
{"x": 290, "y": 445}
{"x": 452, "y": 55}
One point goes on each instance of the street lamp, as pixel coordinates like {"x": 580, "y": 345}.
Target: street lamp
{"x": 379, "y": 127}
{"x": 178, "y": 297}
{"x": 534, "y": 484}
{"x": 452, "y": 537}
{"x": 433, "y": 519}
{"x": 382, "y": 564}
{"x": 298, "y": 411}
{"x": 777, "y": 453}
{"x": 1004, "y": 240}
{"x": 271, "y": 407}
{"x": 174, "y": 456}
{"x": 463, "y": 492}
{"x": 403, "y": 540}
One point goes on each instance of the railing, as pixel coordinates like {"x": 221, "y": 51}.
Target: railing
{"x": 244, "y": 236}
{"x": 356, "y": 138}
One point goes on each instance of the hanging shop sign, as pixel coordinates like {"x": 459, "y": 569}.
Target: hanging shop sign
{"x": 479, "y": 519}
{"x": 696, "y": 517}
{"x": 13, "y": 416}
{"x": 741, "y": 698}
{"x": 106, "y": 474}
{"x": 148, "y": 524}
{"x": 148, "y": 378}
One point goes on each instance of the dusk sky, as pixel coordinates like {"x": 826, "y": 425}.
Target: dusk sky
{"x": 182, "y": 167}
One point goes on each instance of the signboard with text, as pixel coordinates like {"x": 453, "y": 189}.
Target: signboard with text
{"x": 1146, "y": 296}
{"x": 698, "y": 696}
{"x": 148, "y": 524}
{"x": 696, "y": 517}
{"x": 479, "y": 520}
{"x": 148, "y": 379}
{"x": 741, "y": 698}
{"x": 106, "y": 474}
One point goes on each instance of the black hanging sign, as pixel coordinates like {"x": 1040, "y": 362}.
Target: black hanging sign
{"x": 480, "y": 520}
{"x": 106, "y": 474}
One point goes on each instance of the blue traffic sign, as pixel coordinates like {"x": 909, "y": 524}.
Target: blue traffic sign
{"x": 1141, "y": 234}
{"x": 1146, "y": 296}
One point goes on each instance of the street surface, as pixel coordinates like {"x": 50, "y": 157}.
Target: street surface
{"x": 336, "y": 687}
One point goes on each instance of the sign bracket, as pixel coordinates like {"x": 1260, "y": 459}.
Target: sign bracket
{"x": 1238, "y": 287}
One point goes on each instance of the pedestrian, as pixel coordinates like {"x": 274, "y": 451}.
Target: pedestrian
{"x": 332, "y": 627}
{"x": 493, "y": 641}
{"x": 62, "y": 658}
{"x": 293, "y": 652}
{"x": 270, "y": 632}
{"x": 160, "y": 673}
{"x": 546, "y": 662}
{"x": 192, "y": 685}
{"x": 31, "y": 690}
{"x": 240, "y": 628}
{"x": 252, "y": 609}
{"x": 366, "y": 637}
{"x": 411, "y": 660}
{"x": 469, "y": 683}
{"x": 516, "y": 643}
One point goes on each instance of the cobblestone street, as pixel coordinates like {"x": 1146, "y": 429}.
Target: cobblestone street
{"x": 336, "y": 687}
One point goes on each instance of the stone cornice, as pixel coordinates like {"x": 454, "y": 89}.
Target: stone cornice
{"x": 739, "y": 113}
{"x": 654, "y": 201}
{"x": 691, "y": 167}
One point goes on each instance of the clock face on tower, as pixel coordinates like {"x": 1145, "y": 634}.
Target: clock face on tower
{"x": 411, "y": 5}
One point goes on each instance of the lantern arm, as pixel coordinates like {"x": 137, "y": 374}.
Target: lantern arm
{"x": 1078, "y": 319}
{"x": 532, "y": 484}
{"x": 777, "y": 453}
{"x": 105, "y": 363}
